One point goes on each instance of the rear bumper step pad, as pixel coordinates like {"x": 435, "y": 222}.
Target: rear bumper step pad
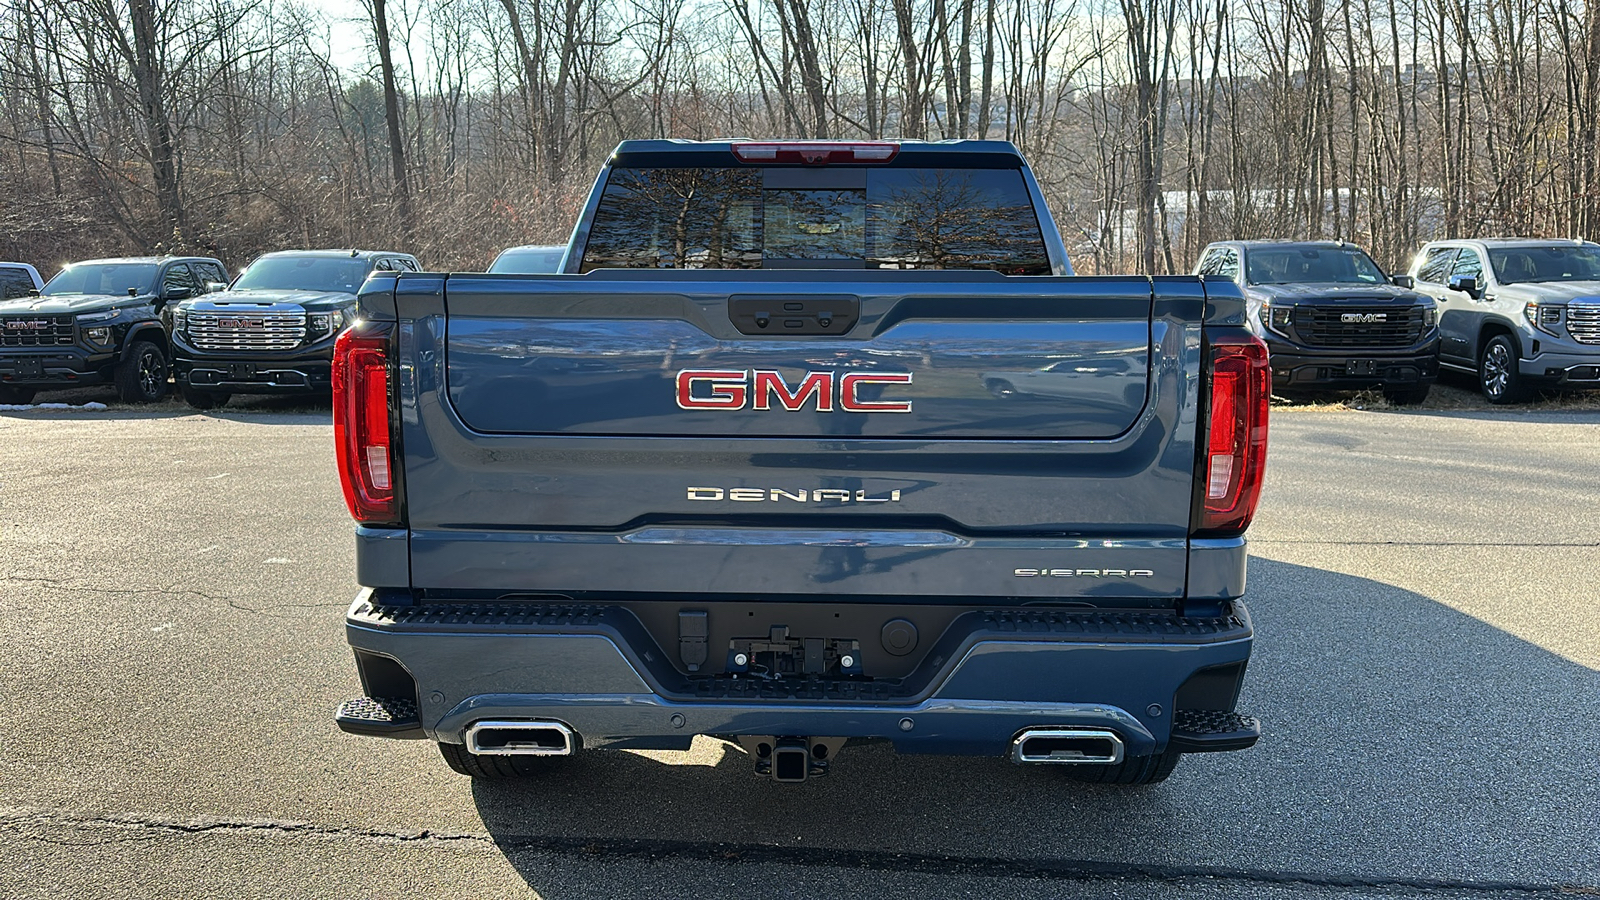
{"x": 394, "y": 717}
{"x": 1213, "y": 730}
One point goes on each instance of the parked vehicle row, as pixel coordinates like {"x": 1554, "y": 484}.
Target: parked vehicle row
{"x": 1518, "y": 313}
{"x": 137, "y": 322}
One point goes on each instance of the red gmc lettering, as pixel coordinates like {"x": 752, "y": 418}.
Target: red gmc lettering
{"x": 848, "y": 385}
{"x": 733, "y": 389}
{"x": 768, "y": 383}
{"x": 727, "y": 389}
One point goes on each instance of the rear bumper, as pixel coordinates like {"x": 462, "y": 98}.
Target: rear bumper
{"x": 990, "y": 676}
{"x": 1294, "y": 366}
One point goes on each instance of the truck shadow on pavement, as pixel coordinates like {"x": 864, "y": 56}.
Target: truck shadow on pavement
{"x": 1405, "y": 743}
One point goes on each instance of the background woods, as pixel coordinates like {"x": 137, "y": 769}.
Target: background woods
{"x": 232, "y": 126}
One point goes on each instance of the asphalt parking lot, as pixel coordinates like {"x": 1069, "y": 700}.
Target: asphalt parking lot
{"x": 172, "y": 587}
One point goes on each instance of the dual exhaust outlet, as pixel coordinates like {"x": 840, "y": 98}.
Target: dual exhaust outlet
{"x": 1068, "y": 746}
{"x": 791, "y": 759}
{"x": 535, "y": 738}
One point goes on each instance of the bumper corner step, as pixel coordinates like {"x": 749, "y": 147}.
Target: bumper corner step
{"x": 391, "y": 717}
{"x": 1213, "y": 730}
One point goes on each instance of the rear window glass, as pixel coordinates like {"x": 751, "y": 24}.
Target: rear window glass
{"x": 723, "y": 218}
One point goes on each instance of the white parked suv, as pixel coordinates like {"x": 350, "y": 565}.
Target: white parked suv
{"x": 1519, "y": 313}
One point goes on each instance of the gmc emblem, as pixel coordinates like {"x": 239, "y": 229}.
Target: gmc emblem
{"x": 1364, "y": 317}
{"x": 240, "y": 323}
{"x": 27, "y": 324}
{"x": 759, "y": 388}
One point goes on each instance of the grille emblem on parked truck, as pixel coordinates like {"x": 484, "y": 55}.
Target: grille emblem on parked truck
{"x": 27, "y": 324}
{"x": 759, "y": 388}
{"x": 1364, "y": 317}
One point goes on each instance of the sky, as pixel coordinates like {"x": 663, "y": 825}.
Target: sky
{"x": 348, "y": 19}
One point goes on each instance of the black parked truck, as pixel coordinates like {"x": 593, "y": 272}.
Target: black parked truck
{"x": 99, "y": 322}
{"x": 1332, "y": 319}
{"x": 272, "y": 331}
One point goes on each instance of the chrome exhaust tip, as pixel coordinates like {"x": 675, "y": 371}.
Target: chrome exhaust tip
{"x": 520, "y": 739}
{"x": 1071, "y": 746}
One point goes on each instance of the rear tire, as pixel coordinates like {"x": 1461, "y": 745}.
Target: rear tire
{"x": 1498, "y": 377}
{"x": 1138, "y": 770}
{"x": 471, "y": 764}
{"x": 19, "y": 396}
{"x": 141, "y": 377}
{"x": 204, "y": 399}
{"x": 1407, "y": 396}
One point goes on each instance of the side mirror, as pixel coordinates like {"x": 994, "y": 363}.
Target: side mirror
{"x": 1403, "y": 281}
{"x": 213, "y": 286}
{"x": 178, "y": 293}
{"x": 1466, "y": 284}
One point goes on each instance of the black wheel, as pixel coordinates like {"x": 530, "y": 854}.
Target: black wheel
{"x": 1498, "y": 377}
{"x": 468, "y": 763}
{"x": 141, "y": 377}
{"x": 200, "y": 399}
{"x": 1406, "y": 396}
{"x": 1138, "y": 770}
{"x": 19, "y": 396}
{"x": 1001, "y": 387}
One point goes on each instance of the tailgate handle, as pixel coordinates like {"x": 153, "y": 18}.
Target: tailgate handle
{"x": 774, "y": 315}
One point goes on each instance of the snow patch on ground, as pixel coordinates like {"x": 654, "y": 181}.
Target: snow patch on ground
{"x": 20, "y": 407}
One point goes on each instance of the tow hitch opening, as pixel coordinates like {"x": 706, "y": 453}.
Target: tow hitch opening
{"x": 791, "y": 760}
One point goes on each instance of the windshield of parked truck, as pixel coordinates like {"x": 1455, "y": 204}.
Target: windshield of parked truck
{"x": 528, "y": 261}
{"x": 1311, "y": 265}
{"x": 893, "y": 218}
{"x": 103, "y": 278}
{"x": 1515, "y": 265}
{"x": 304, "y": 273}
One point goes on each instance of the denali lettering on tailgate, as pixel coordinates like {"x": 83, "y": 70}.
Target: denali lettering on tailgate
{"x": 759, "y": 388}
{"x": 755, "y": 495}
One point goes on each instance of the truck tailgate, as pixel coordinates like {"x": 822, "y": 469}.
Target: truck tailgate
{"x": 967, "y": 435}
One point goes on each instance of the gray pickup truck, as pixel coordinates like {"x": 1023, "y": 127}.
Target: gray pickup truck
{"x": 1518, "y": 313}
{"x": 741, "y": 471}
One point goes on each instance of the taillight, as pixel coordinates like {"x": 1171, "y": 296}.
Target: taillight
{"x": 816, "y": 153}
{"x": 361, "y": 430}
{"x": 1236, "y": 441}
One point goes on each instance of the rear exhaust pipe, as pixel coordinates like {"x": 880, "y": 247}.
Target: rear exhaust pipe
{"x": 1075, "y": 746}
{"x": 520, "y": 739}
